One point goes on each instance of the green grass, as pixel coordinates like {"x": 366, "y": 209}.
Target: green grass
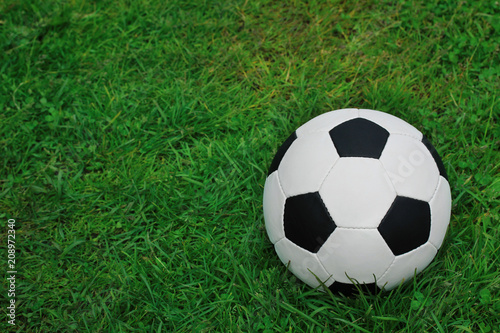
{"x": 135, "y": 137}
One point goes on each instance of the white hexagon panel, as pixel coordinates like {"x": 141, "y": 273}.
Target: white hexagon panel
{"x": 302, "y": 263}
{"x": 410, "y": 167}
{"x": 306, "y": 163}
{"x": 274, "y": 208}
{"x": 359, "y": 254}
{"x": 440, "y": 205}
{"x": 357, "y": 193}
{"x": 405, "y": 266}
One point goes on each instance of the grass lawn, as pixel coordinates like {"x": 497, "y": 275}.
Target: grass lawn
{"x": 135, "y": 138}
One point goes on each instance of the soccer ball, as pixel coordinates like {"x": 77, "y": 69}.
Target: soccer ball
{"x": 356, "y": 196}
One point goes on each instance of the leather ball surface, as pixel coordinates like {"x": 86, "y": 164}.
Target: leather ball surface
{"x": 358, "y": 196}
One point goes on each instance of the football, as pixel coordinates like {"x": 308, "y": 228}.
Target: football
{"x": 356, "y": 197}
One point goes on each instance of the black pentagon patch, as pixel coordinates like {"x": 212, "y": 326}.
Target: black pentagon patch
{"x": 359, "y": 137}
{"x": 406, "y": 225}
{"x": 349, "y": 289}
{"x": 281, "y": 152}
{"x": 307, "y": 222}
{"x": 435, "y": 155}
